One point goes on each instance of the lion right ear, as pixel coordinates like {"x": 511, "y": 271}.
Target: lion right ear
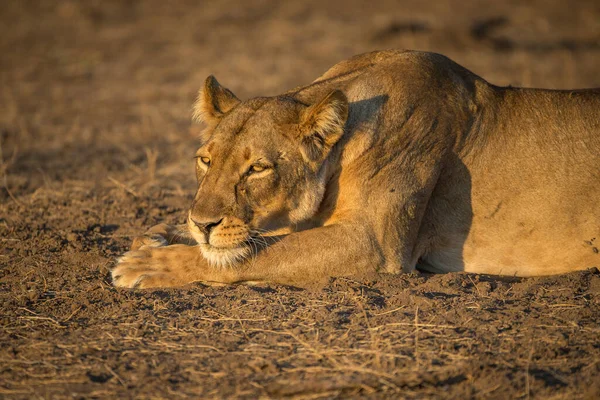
{"x": 213, "y": 102}
{"x": 322, "y": 125}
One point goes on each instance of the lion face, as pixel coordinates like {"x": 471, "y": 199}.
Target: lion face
{"x": 259, "y": 169}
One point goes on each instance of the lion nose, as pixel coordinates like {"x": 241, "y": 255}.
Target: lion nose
{"x": 206, "y": 226}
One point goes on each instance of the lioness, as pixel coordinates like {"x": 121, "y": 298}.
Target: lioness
{"x": 391, "y": 161}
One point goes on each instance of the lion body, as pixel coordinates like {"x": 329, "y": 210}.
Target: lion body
{"x": 435, "y": 169}
{"x": 516, "y": 171}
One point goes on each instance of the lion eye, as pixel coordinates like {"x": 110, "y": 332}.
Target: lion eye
{"x": 205, "y": 160}
{"x": 257, "y": 168}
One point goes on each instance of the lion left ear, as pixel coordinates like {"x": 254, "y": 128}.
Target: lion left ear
{"x": 322, "y": 125}
{"x": 213, "y": 102}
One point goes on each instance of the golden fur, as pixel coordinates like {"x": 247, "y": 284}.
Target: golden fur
{"x": 390, "y": 161}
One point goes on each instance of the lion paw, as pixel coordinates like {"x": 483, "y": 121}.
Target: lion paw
{"x": 163, "y": 235}
{"x": 155, "y": 240}
{"x": 139, "y": 269}
{"x": 164, "y": 266}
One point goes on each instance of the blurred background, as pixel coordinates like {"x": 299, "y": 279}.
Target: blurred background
{"x": 91, "y": 83}
{"x": 96, "y": 89}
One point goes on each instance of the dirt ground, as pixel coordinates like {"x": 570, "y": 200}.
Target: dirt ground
{"x": 96, "y": 146}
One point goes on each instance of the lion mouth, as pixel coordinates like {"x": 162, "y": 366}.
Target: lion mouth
{"x": 224, "y": 256}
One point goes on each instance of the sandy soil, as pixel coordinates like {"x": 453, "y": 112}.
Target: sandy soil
{"x": 96, "y": 146}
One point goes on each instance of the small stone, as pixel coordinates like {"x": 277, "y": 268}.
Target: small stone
{"x": 33, "y": 296}
{"x": 72, "y": 237}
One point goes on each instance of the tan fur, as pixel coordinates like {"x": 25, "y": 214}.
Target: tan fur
{"x": 390, "y": 161}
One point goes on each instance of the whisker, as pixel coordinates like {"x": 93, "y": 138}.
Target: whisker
{"x": 254, "y": 253}
{"x": 265, "y": 239}
{"x": 262, "y": 241}
{"x": 259, "y": 239}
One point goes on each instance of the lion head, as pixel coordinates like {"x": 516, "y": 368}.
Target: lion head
{"x": 259, "y": 167}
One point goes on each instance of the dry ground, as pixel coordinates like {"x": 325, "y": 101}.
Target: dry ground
{"x": 96, "y": 146}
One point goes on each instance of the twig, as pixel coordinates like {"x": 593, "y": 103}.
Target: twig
{"x": 307, "y": 345}
{"x": 372, "y": 333}
{"x": 566, "y": 305}
{"x": 417, "y": 338}
{"x": 527, "y": 387}
{"x": 390, "y": 311}
{"x": 72, "y": 314}
{"x": 413, "y": 324}
{"x": 151, "y": 156}
{"x": 113, "y": 373}
{"x": 123, "y": 186}
{"x": 45, "y": 319}
{"x": 3, "y": 168}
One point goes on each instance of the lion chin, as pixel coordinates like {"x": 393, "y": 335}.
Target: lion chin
{"x": 224, "y": 256}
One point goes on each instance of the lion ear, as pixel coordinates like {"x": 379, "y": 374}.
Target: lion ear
{"x": 213, "y": 101}
{"x": 322, "y": 125}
